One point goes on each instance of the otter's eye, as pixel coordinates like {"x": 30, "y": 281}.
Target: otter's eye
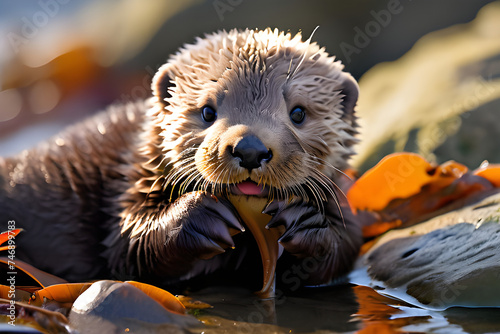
{"x": 208, "y": 114}
{"x": 298, "y": 115}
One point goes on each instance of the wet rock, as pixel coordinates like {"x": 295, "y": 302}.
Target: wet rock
{"x": 111, "y": 307}
{"x": 450, "y": 260}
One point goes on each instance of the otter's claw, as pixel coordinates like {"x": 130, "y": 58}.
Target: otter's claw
{"x": 272, "y": 208}
{"x": 205, "y": 225}
{"x": 330, "y": 238}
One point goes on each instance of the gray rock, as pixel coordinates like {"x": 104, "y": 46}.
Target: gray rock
{"x": 449, "y": 260}
{"x": 456, "y": 265}
{"x": 113, "y": 307}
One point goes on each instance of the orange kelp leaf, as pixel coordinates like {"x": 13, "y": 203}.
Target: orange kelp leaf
{"x": 399, "y": 175}
{"x": 447, "y": 172}
{"x": 165, "y": 298}
{"x": 6, "y": 293}
{"x": 490, "y": 173}
{"x": 4, "y": 236}
{"x": 62, "y": 293}
{"x": 190, "y": 303}
{"x": 40, "y": 277}
{"x": 379, "y": 228}
{"x": 429, "y": 202}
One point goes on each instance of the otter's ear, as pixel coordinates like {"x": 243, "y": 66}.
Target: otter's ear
{"x": 350, "y": 90}
{"x": 162, "y": 81}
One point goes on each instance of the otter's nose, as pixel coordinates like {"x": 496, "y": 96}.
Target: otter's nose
{"x": 251, "y": 152}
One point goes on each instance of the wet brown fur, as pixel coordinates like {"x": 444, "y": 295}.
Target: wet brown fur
{"x": 129, "y": 190}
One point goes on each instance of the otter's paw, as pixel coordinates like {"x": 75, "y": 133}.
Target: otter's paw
{"x": 331, "y": 239}
{"x": 203, "y": 224}
{"x": 309, "y": 231}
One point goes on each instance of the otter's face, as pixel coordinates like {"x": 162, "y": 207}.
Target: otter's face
{"x": 255, "y": 113}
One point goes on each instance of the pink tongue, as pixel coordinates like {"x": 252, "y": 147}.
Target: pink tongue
{"x": 249, "y": 188}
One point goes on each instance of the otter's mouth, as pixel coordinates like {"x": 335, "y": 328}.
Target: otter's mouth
{"x": 249, "y": 188}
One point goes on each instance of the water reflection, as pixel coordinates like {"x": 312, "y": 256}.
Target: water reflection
{"x": 338, "y": 309}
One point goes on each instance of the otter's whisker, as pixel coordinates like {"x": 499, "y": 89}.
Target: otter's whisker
{"x": 307, "y": 43}
{"x": 298, "y": 140}
{"x": 185, "y": 184}
{"x": 198, "y": 186}
{"x": 180, "y": 176}
{"x": 213, "y": 174}
{"x": 226, "y": 175}
{"x": 277, "y": 176}
{"x": 326, "y": 182}
{"x": 196, "y": 176}
{"x": 178, "y": 167}
{"x": 329, "y": 165}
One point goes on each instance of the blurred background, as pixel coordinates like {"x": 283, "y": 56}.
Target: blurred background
{"x": 429, "y": 70}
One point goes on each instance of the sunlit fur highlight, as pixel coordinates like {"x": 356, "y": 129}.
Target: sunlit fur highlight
{"x": 247, "y": 77}
{"x": 253, "y": 79}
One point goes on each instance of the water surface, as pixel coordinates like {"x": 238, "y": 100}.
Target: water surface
{"x": 337, "y": 309}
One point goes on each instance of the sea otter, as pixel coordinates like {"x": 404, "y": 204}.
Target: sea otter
{"x": 142, "y": 189}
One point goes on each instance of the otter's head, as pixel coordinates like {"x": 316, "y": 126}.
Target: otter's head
{"x": 254, "y": 112}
